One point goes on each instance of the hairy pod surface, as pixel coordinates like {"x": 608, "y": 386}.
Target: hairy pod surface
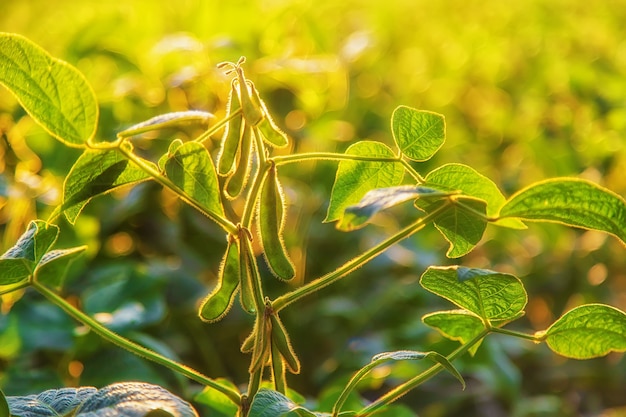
{"x": 280, "y": 338}
{"x": 270, "y": 218}
{"x": 232, "y": 135}
{"x": 217, "y": 304}
{"x": 237, "y": 181}
{"x": 251, "y": 111}
{"x": 262, "y": 343}
{"x": 270, "y": 132}
{"x": 246, "y": 297}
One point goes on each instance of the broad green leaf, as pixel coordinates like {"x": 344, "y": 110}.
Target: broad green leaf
{"x": 380, "y": 199}
{"x": 19, "y": 261}
{"x": 493, "y": 296}
{"x": 469, "y": 182}
{"x": 126, "y": 399}
{"x": 4, "y": 406}
{"x": 55, "y": 94}
{"x": 95, "y": 173}
{"x": 167, "y": 120}
{"x": 570, "y": 201}
{"x": 460, "y": 325}
{"x": 54, "y": 264}
{"x": 419, "y": 134}
{"x": 191, "y": 169}
{"x": 587, "y": 331}
{"x": 218, "y": 401}
{"x": 268, "y": 403}
{"x": 355, "y": 178}
{"x": 462, "y": 223}
{"x": 175, "y": 144}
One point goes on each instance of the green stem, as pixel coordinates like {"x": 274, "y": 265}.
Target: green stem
{"x": 328, "y": 156}
{"x": 166, "y": 182}
{"x": 514, "y": 333}
{"x": 122, "y": 342}
{"x": 412, "y": 172}
{"x": 404, "y": 388}
{"x": 264, "y": 166}
{"x": 278, "y": 370}
{"x": 16, "y": 287}
{"x": 216, "y": 127}
{"x": 313, "y": 286}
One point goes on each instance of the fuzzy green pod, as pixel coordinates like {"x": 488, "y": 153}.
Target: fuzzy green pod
{"x": 262, "y": 343}
{"x": 270, "y": 219}
{"x": 217, "y": 304}
{"x": 246, "y": 297}
{"x": 238, "y": 179}
{"x": 252, "y": 112}
{"x": 281, "y": 339}
{"x": 270, "y": 132}
{"x": 231, "y": 137}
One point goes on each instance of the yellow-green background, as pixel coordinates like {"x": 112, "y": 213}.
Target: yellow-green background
{"x": 530, "y": 89}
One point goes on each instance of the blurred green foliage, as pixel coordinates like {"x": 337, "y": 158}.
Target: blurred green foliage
{"x": 530, "y": 90}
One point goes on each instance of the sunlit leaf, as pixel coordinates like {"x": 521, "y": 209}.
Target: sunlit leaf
{"x": 4, "y": 406}
{"x": 54, "y": 93}
{"x": 380, "y": 199}
{"x": 127, "y": 399}
{"x": 587, "y": 331}
{"x": 355, "y": 178}
{"x": 19, "y": 261}
{"x": 462, "y": 223}
{"x": 460, "y": 325}
{"x": 190, "y": 167}
{"x": 218, "y": 401}
{"x": 269, "y": 403}
{"x": 167, "y": 120}
{"x": 95, "y": 173}
{"x": 490, "y": 295}
{"x": 418, "y": 133}
{"x": 570, "y": 201}
{"x": 54, "y": 264}
{"x": 471, "y": 183}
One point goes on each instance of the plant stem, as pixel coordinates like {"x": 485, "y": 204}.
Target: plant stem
{"x": 217, "y": 126}
{"x": 514, "y": 333}
{"x": 166, "y": 182}
{"x": 328, "y": 156}
{"x": 16, "y": 287}
{"x": 404, "y": 388}
{"x": 412, "y": 172}
{"x": 122, "y": 342}
{"x": 313, "y": 286}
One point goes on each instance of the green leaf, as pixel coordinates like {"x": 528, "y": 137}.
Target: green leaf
{"x": 459, "y": 325}
{"x": 127, "y": 399}
{"x": 462, "y": 224}
{"x": 493, "y": 296}
{"x": 4, "y": 406}
{"x": 167, "y": 120}
{"x": 587, "y": 331}
{"x": 570, "y": 201}
{"x": 54, "y": 264}
{"x": 190, "y": 167}
{"x": 269, "y": 403}
{"x": 19, "y": 262}
{"x": 55, "y": 94}
{"x": 10, "y": 341}
{"x": 419, "y": 134}
{"x": 218, "y": 401}
{"x": 471, "y": 183}
{"x": 373, "y": 201}
{"x": 95, "y": 173}
{"x": 355, "y": 178}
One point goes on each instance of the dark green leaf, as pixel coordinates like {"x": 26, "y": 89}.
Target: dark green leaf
{"x": 127, "y": 399}
{"x": 268, "y": 403}
{"x": 587, "y": 331}
{"x": 4, "y": 406}
{"x": 460, "y": 325}
{"x": 53, "y": 92}
{"x": 14, "y": 270}
{"x": 167, "y": 120}
{"x": 189, "y": 166}
{"x": 493, "y": 296}
{"x": 217, "y": 400}
{"x": 355, "y": 178}
{"x": 95, "y": 173}
{"x": 570, "y": 201}
{"x": 379, "y": 199}
{"x": 54, "y": 264}
{"x": 419, "y": 134}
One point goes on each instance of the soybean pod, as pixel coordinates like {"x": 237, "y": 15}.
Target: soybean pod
{"x": 232, "y": 135}
{"x": 237, "y": 181}
{"x": 245, "y": 281}
{"x": 270, "y": 133}
{"x": 217, "y": 304}
{"x": 270, "y": 220}
{"x": 280, "y": 338}
{"x": 252, "y": 112}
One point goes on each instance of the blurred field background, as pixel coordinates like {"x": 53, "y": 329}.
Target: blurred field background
{"x": 530, "y": 90}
